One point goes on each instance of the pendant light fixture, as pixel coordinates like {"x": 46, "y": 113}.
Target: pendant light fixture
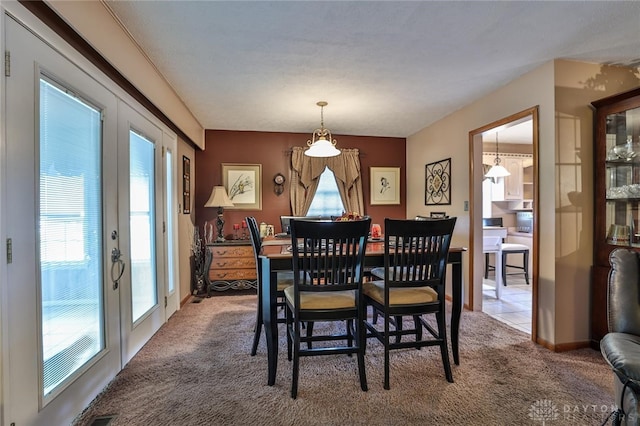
{"x": 321, "y": 143}
{"x": 497, "y": 170}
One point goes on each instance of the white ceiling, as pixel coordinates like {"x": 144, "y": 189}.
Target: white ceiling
{"x": 385, "y": 68}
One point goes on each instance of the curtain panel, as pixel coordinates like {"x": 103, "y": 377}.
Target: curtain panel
{"x": 305, "y": 176}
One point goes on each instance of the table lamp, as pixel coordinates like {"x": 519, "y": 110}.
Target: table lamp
{"x": 219, "y": 199}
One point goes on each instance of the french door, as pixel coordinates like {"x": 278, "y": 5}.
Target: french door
{"x": 86, "y": 227}
{"x": 140, "y": 204}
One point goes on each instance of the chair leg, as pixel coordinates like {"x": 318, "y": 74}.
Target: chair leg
{"x": 386, "y": 353}
{"x": 418, "y": 326}
{"x": 362, "y": 342}
{"x": 525, "y": 266}
{"x": 398, "y": 322}
{"x": 309, "y": 334}
{"x": 289, "y": 330}
{"x": 504, "y": 268}
{"x": 486, "y": 266}
{"x": 444, "y": 350}
{"x": 257, "y": 331}
{"x": 296, "y": 360}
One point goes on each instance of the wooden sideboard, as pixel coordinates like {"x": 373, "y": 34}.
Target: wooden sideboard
{"x": 232, "y": 266}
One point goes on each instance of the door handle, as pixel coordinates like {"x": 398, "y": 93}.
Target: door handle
{"x": 116, "y": 260}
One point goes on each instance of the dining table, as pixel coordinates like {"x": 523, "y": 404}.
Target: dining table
{"x": 276, "y": 256}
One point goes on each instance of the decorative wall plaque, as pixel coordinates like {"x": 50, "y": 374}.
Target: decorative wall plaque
{"x": 438, "y": 183}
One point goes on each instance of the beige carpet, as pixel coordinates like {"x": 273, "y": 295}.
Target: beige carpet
{"x": 197, "y": 371}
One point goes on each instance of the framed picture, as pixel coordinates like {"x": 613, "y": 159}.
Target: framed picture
{"x": 186, "y": 185}
{"x": 244, "y": 185}
{"x": 385, "y": 185}
{"x": 438, "y": 183}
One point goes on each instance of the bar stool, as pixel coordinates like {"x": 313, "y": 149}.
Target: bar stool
{"x": 494, "y": 245}
{"x": 512, "y": 248}
{"x": 490, "y": 221}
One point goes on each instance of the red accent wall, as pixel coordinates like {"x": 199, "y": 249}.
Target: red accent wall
{"x": 272, "y": 150}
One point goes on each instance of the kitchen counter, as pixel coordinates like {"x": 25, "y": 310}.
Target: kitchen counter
{"x": 494, "y": 231}
{"x": 512, "y": 231}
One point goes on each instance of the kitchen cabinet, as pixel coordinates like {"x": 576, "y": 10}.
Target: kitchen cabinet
{"x": 513, "y": 182}
{"x": 527, "y": 179}
{"x": 512, "y": 187}
{"x": 617, "y": 193}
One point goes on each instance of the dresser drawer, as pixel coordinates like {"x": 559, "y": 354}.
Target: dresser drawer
{"x": 232, "y": 263}
{"x": 232, "y": 274}
{"x": 228, "y": 251}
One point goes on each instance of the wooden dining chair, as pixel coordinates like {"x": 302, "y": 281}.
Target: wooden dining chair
{"x": 328, "y": 265}
{"x": 284, "y": 280}
{"x": 413, "y": 285}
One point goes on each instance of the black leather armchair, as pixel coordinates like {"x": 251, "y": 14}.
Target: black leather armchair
{"x": 621, "y": 346}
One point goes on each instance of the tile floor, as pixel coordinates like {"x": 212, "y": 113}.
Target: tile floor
{"x": 514, "y": 306}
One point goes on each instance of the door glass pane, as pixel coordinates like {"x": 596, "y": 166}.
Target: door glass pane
{"x": 169, "y": 225}
{"x": 70, "y": 233}
{"x": 142, "y": 219}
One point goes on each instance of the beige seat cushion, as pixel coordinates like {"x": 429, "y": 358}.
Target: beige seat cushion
{"x": 326, "y": 300}
{"x": 285, "y": 279}
{"x": 400, "y": 296}
{"x": 514, "y": 247}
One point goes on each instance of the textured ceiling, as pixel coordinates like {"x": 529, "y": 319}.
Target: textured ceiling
{"x": 385, "y": 68}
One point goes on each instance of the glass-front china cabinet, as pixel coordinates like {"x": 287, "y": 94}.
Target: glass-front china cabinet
{"x": 617, "y": 192}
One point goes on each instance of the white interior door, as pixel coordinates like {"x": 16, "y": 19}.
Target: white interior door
{"x": 60, "y": 312}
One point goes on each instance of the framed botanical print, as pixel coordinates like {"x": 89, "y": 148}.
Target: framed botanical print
{"x": 243, "y": 183}
{"x": 385, "y": 185}
{"x": 438, "y": 183}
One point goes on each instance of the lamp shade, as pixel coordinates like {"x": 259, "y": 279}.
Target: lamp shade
{"x": 218, "y": 198}
{"x": 322, "y": 148}
{"x": 497, "y": 171}
{"x": 321, "y": 143}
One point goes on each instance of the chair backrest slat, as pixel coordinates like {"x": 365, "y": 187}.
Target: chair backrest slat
{"x": 256, "y": 243}
{"x": 416, "y": 252}
{"x": 328, "y": 256}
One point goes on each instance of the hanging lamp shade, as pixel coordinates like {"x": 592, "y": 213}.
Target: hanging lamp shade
{"x": 321, "y": 143}
{"x": 497, "y": 170}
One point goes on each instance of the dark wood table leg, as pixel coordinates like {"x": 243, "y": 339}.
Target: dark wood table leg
{"x": 456, "y": 302}
{"x": 269, "y": 316}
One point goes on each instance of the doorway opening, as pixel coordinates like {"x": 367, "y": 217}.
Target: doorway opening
{"x": 511, "y": 204}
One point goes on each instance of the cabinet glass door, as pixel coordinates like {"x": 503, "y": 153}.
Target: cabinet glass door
{"x": 623, "y": 178}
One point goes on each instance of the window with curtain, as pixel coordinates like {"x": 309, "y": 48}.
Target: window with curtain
{"x": 305, "y": 180}
{"x": 326, "y": 201}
